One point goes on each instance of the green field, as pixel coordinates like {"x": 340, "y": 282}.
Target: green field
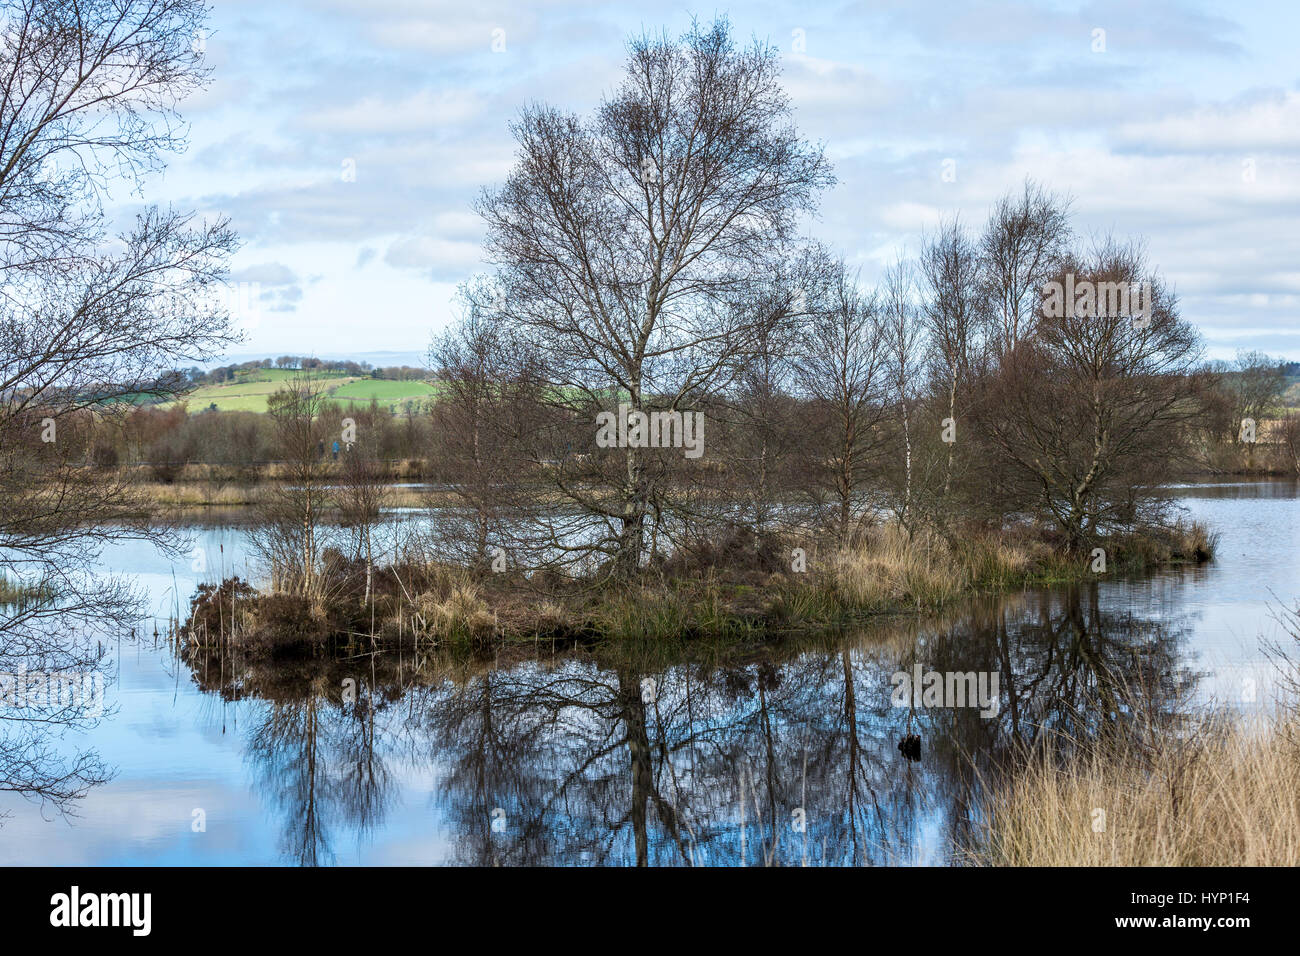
{"x": 250, "y": 391}
{"x": 362, "y": 390}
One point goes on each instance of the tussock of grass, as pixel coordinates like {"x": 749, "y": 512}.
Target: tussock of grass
{"x": 992, "y": 562}
{"x": 795, "y": 605}
{"x": 459, "y": 614}
{"x": 1180, "y": 543}
{"x": 666, "y": 614}
{"x": 889, "y": 569}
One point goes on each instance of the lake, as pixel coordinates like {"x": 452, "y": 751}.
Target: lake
{"x": 783, "y": 754}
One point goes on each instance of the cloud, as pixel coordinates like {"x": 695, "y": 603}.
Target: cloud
{"x": 442, "y": 259}
{"x": 1149, "y": 137}
{"x": 267, "y": 273}
{"x": 1262, "y": 120}
{"x": 275, "y": 286}
{"x": 421, "y": 111}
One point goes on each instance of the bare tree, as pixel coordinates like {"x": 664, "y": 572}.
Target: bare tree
{"x": 1021, "y": 248}
{"x": 1249, "y": 390}
{"x": 1256, "y": 383}
{"x": 88, "y": 95}
{"x": 1289, "y": 435}
{"x": 903, "y": 346}
{"x": 287, "y": 538}
{"x": 767, "y": 434}
{"x": 1091, "y": 412}
{"x": 476, "y": 418}
{"x": 842, "y": 367}
{"x": 361, "y": 495}
{"x": 955, "y": 319}
{"x": 626, "y": 246}
{"x": 762, "y": 429}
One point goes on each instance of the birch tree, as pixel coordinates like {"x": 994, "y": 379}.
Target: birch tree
{"x": 954, "y": 317}
{"x": 843, "y": 369}
{"x": 626, "y": 246}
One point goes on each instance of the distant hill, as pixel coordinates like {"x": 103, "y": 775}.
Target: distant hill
{"x": 250, "y": 390}
{"x": 378, "y": 359}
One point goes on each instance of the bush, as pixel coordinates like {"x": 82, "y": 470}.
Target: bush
{"x": 214, "y": 608}
{"x": 283, "y": 622}
{"x": 104, "y": 455}
{"x": 732, "y": 548}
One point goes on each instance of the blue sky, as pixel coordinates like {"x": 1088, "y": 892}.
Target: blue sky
{"x": 348, "y": 140}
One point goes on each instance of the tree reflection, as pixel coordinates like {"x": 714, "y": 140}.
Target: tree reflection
{"x": 54, "y": 678}
{"x": 313, "y": 747}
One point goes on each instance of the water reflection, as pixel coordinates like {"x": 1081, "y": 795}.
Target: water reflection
{"x": 313, "y": 749}
{"x": 569, "y": 760}
{"x": 784, "y": 755}
{"x": 54, "y": 676}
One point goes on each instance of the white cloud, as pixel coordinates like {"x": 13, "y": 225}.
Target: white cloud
{"x": 1148, "y": 138}
{"x": 433, "y": 253}
{"x": 424, "y": 110}
{"x": 1266, "y": 121}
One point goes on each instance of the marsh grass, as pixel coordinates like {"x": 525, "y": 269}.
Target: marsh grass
{"x": 458, "y": 613}
{"x": 11, "y": 593}
{"x": 207, "y": 494}
{"x": 1208, "y": 788}
{"x": 656, "y": 613}
{"x": 889, "y": 568}
{"x": 1223, "y": 793}
{"x": 1183, "y": 542}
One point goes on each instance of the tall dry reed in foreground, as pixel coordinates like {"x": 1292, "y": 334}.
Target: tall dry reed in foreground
{"x": 1225, "y": 794}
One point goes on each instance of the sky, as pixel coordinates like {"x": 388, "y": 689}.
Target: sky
{"x": 348, "y": 139}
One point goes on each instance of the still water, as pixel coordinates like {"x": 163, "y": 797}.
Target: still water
{"x": 786, "y": 754}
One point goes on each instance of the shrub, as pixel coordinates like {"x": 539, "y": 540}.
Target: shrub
{"x": 214, "y": 607}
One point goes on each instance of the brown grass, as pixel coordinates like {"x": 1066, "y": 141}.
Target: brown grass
{"x": 1222, "y": 793}
{"x": 887, "y": 569}
{"x": 460, "y": 612}
{"x": 200, "y": 494}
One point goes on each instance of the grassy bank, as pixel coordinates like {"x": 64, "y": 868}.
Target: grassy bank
{"x": 737, "y": 590}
